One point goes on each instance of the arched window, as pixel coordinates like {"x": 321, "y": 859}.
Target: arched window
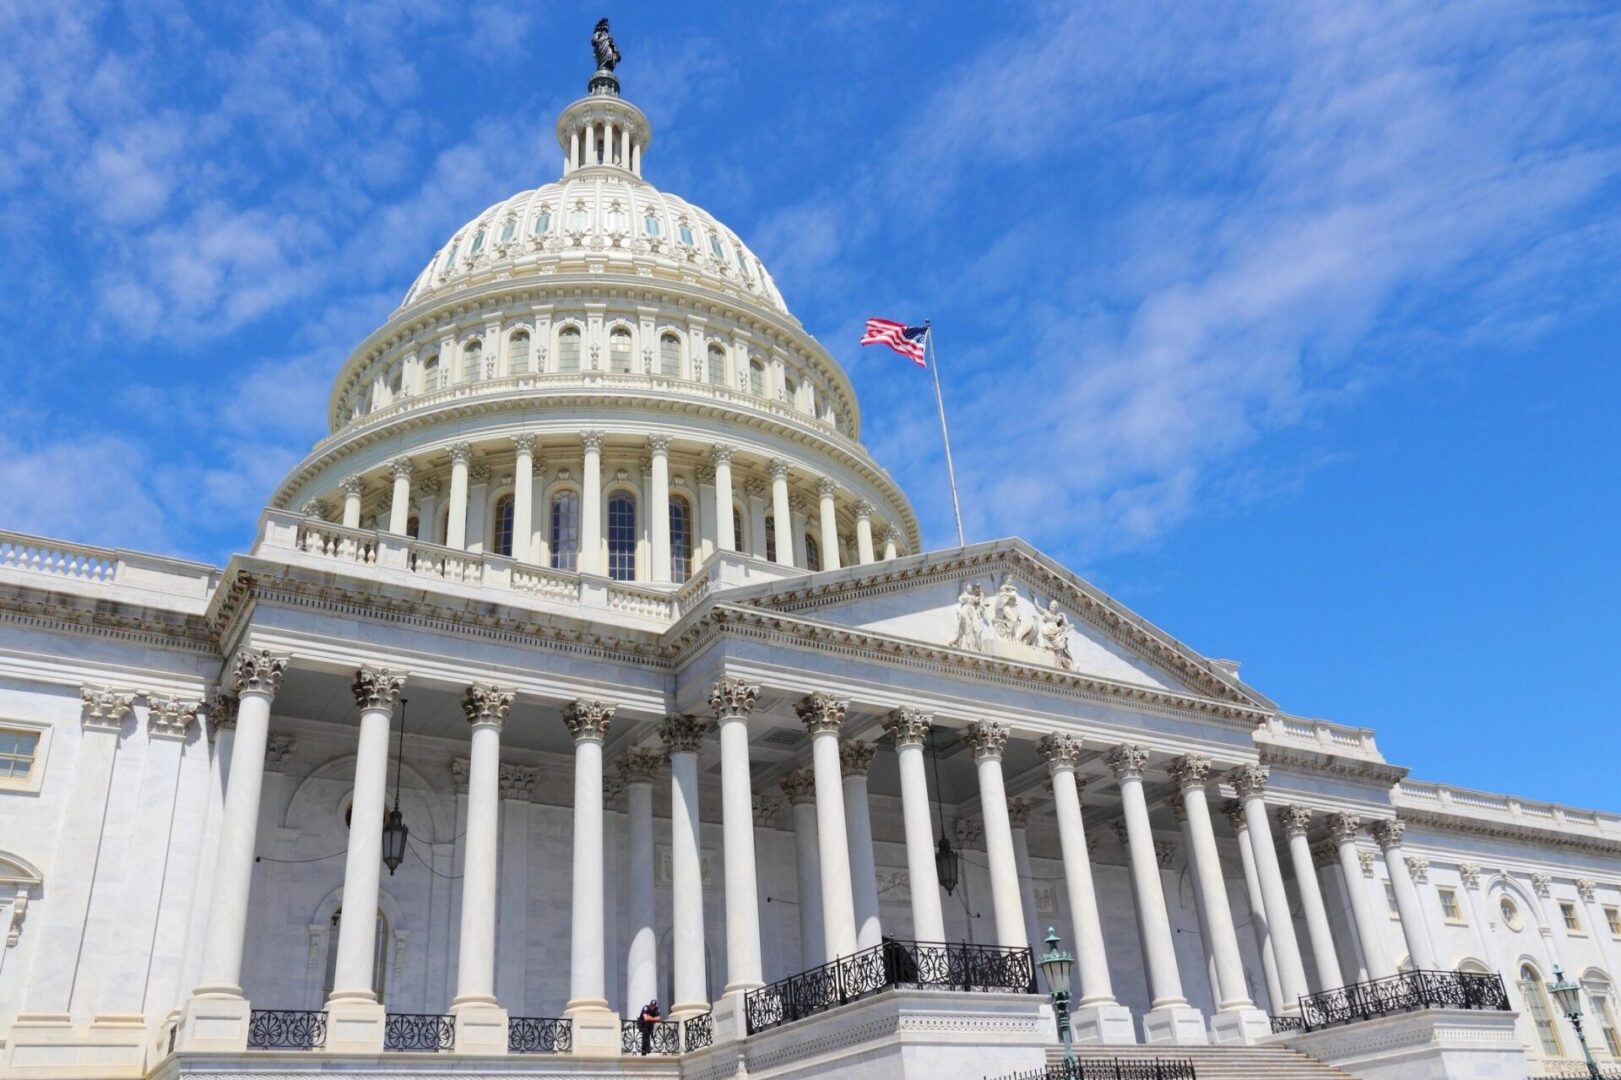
{"x": 715, "y": 249}
{"x": 379, "y": 954}
{"x": 770, "y": 538}
{"x": 790, "y": 390}
{"x": 622, "y": 536}
{"x": 685, "y": 232}
{"x": 565, "y": 530}
{"x": 1535, "y": 994}
{"x": 669, "y": 356}
{"x": 508, "y": 228}
{"x": 543, "y": 223}
{"x": 472, "y": 360}
{"x": 478, "y": 243}
{"x": 738, "y": 543}
{"x": 650, "y": 225}
{"x": 813, "y": 553}
{"x": 1603, "y": 998}
{"x": 501, "y": 534}
{"x": 430, "y": 374}
{"x": 568, "y": 349}
{"x": 518, "y": 353}
{"x": 619, "y": 351}
{"x": 577, "y": 218}
{"x": 413, "y": 527}
{"x": 756, "y": 378}
{"x": 680, "y": 539}
{"x": 717, "y": 365}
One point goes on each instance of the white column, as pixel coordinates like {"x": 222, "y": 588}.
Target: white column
{"x": 596, "y": 1025}
{"x": 427, "y": 507}
{"x": 512, "y": 892}
{"x": 353, "y": 489}
{"x": 725, "y": 539}
{"x": 800, "y": 787}
{"x": 855, "y": 758}
{"x": 1295, "y": 821}
{"x": 590, "y": 561}
{"x": 523, "y": 499}
{"x": 1234, "y": 810}
{"x": 659, "y": 447}
{"x": 624, "y": 147}
{"x": 1369, "y": 930}
{"x": 682, "y": 736}
{"x": 732, "y": 699}
{"x": 1096, "y": 1016}
{"x": 823, "y": 717}
{"x": 461, "y": 456}
{"x": 703, "y": 545}
{"x": 354, "y": 1015}
{"x": 987, "y": 740}
{"x": 590, "y": 144}
{"x": 891, "y": 551}
{"x": 1388, "y": 834}
{"x": 864, "y": 549}
{"x": 1177, "y": 805}
{"x": 781, "y": 521}
{"x": 481, "y": 1023}
{"x": 828, "y": 523}
{"x": 1170, "y": 1018}
{"x": 573, "y": 150}
{"x": 399, "y": 507}
{"x": 1018, "y": 812}
{"x": 1250, "y": 783}
{"x": 640, "y": 768}
{"x": 1237, "y": 1019}
{"x": 910, "y": 728}
{"x": 756, "y": 492}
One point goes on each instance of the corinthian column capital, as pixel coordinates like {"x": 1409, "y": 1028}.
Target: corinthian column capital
{"x": 1190, "y": 770}
{"x": 486, "y": 703}
{"x": 1294, "y": 819}
{"x": 821, "y": 712}
{"x": 378, "y": 687}
{"x": 732, "y": 698}
{"x": 1060, "y": 751}
{"x": 800, "y": 786}
{"x": 588, "y": 719}
{"x": 640, "y": 766}
{"x": 258, "y": 672}
{"x": 987, "y": 739}
{"x": 1249, "y": 780}
{"x": 855, "y": 757}
{"x": 683, "y": 734}
{"x": 170, "y": 718}
{"x": 105, "y": 709}
{"x": 908, "y": 726}
{"x": 1127, "y": 761}
{"x": 1344, "y": 827}
{"x": 1388, "y": 833}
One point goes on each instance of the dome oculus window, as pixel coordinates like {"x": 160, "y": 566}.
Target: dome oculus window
{"x": 1511, "y": 913}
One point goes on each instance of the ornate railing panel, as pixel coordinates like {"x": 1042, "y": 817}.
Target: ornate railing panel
{"x": 1405, "y": 992}
{"x": 921, "y": 965}
{"x": 698, "y": 1032}
{"x": 286, "y": 1029}
{"x": 539, "y": 1035}
{"x": 1113, "y": 1069}
{"x": 663, "y": 1038}
{"x": 1281, "y": 1024}
{"x": 421, "y": 1032}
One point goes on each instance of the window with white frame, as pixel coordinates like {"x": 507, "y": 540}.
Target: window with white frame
{"x": 502, "y": 541}
{"x": 680, "y": 538}
{"x": 1573, "y": 920}
{"x": 1449, "y": 905}
{"x": 1612, "y": 916}
{"x": 756, "y": 378}
{"x": 543, "y": 223}
{"x": 472, "y": 360}
{"x": 568, "y": 349}
{"x": 430, "y": 374}
{"x": 622, "y": 536}
{"x": 737, "y": 531}
{"x": 564, "y": 530}
{"x": 619, "y": 351}
{"x": 518, "y": 353}
{"x": 19, "y": 749}
{"x": 1604, "y": 1009}
{"x": 669, "y": 356}
{"x": 1535, "y": 995}
{"x": 717, "y": 365}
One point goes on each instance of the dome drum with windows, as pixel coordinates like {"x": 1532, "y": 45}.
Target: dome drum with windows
{"x": 597, "y": 376}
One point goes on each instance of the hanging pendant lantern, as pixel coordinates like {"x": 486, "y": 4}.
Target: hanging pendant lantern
{"x": 947, "y": 864}
{"x": 395, "y": 833}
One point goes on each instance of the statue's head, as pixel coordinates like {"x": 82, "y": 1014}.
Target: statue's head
{"x": 602, "y": 26}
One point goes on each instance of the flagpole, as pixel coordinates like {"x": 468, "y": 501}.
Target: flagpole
{"x": 945, "y": 433}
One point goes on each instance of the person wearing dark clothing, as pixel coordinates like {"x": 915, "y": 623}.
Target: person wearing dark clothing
{"x": 650, "y": 1016}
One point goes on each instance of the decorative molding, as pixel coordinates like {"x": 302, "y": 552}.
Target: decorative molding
{"x": 1249, "y": 780}
{"x": 1585, "y": 888}
{"x": 683, "y": 734}
{"x": 222, "y": 713}
{"x": 1418, "y": 868}
{"x": 19, "y": 912}
{"x": 1344, "y": 828}
{"x": 1178, "y": 806}
{"x": 821, "y": 712}
{"x": 1126, "y": 761}
{"x": 279, "y": 751}
{"x": 486, "y": 703}
{"x": 258, "y": 672}
{"x": 987, "y": 739}
{"x": 732, "y": 698}
{"x": 826, "y": 488}
{"x": 459, "y": 770}
{"x": 104, "y": 709}
{"x": 1018, "y": 812}
{"x": 378, "y": 687}
{"x": 778, "y": 468}
{"x": 855, "y": 757}
{"x": 518, "y": 781}
{"x": 1190, "y": 770}
{"x": 1060, "y": 751}
{"x": 401, "y": 467}
{"x": 968, "y": 831}
{"x": 460, "y": 453}
{"x": 170, "y": 718}
{"x": 1469, "y": 874}
{"x": 1294, "y": 819}
{"x": 1365, "y": 858}
{"x": 766, "y": 810}
{"x": 588, "y": 719}
{"x": 908, "y": 726}
{"x": 1387, "y": 833}
{"x": 1236, "y": 817}
{"x": 1542, "y": 884}
{"x": 524, "y": 444}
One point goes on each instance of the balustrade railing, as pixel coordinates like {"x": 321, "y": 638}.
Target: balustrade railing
{"x": 539, "y": 1035}
{"x": 1405, "y": 992}
{"x": 1280, "y": 1024}
{"x": 662, "y": 1037}
{"x": 419, "y": 1032}
{"x": 911, "y": 964}
{"x": 698, "y": 1032}
{"x": 286, "y": 1029}
{"x": 1112, "y": 1069}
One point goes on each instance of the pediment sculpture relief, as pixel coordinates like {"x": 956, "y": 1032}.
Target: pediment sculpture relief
{"x": 997, "y": 625}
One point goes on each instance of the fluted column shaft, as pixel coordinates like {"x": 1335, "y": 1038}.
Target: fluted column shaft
{"x": 1257, "y": 904}
{"x": 641, "y": 962}
{"x": 781, "y": 520}
{"x": 590, "y": 561}
{"x": 486, "y": 708}
{"x": 659, "y": 448}
{"x": 725, "y": 535}
{"x": 1369, "y": 931}
{"x": 461, "y": 457}
{"x": 399, "y": 507}
{"x": 1092, "y": 967}
{"x": 823, "y": 716}
{"x": 828, "y": 524}
{"x": 682, "y": 735}
{"x": 732, "y": 699}
{"x": 588, "y": 723}
{"x": 1408, "y": 906}
{"x": 909, "y": 728}
{"x": 1232, "y": 992}
{"x": 988, "y": 741}
{"x": 523, "y": 500}
{"x": 353, "y": 489}
{"x": 1154, "y": 923}
{"x": 856, "y": 758}
{"x": 1295, "y": 821}
{"x": 1250, "y": 782}
{"x": 864, "y": 548}
{"x": 800, "y": 787}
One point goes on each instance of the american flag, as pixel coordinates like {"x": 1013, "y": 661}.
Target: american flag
{"x": 906, "y": 340}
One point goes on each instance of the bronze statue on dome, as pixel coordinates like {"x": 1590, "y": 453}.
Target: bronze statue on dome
{"x": 602, "y": 44}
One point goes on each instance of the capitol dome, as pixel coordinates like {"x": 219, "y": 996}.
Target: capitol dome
{"x": 596, "y": 377}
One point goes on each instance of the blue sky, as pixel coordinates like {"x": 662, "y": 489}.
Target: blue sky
{"x": 1293, "y": 326}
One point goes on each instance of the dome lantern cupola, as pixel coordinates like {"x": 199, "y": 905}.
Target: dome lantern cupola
{"x": 602, "y": 129}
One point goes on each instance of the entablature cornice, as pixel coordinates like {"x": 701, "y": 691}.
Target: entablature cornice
{"x": 1323, "y": 763}
{"x": 56, "y": 612}
{"x": 1522, "y": 833}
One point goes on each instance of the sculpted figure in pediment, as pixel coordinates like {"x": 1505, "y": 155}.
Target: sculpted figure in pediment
{"x": 1054, "y": 635}
{"x": 1005, "y": 610}
{"x": 971, "y": 606}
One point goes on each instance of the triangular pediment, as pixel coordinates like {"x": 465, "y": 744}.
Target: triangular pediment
{"x": 1007, "y": 601}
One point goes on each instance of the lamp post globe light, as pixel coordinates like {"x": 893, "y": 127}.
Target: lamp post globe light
{"x": 1055, "y": 965}
{"x": 1568, "y": 996}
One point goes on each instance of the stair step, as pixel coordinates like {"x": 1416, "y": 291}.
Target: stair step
{"x": 1220, "y": 1062}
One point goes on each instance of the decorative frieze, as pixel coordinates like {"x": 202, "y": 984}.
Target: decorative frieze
{"x": 683, "y": 734}
{"x": 821, "y": 713}
{"x": 170, "y": 718}
{"x": 766, "y": 810}
{"x": 908, "y": 726}
{"x": 1060, "y": 751}
{"x": 486, "y": 703}
{"x": 1294, "y": 819}
{"x": 279, "y": 751}
{"x": 588, "y": 718}
{"x": 639, "y": 765}
{"x": 104, "y": 709}
{"x": 1190, "y": 770}
{"x": 799, "y": 786}
{"x": 1126, "y": 761}
{"x": 518, "y": 781}
{"x": 378, "y": 687}
{"x": 429, "y": 485}
{"x": 704, "y": 475}
{"x": 732, "y": 698}
{"x": 1249, "y": 780}
{"x": 855, "y": 757}
{"x": 257, "y": 671}
{"x": 987, "y": 739}
{"x": 1388, "y": 833}
{"x": 1018, "y": 812}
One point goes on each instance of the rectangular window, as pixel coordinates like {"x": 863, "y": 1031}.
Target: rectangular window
{"x": 1613, "y": 917}
{"x": 565, "y": 530}
{"x": 1606, "y": 1020}
{"x": 17, "y": 753}
{"x": 1390, "y": 900}
{"x": 1573, "y": 924}
{"x": 1449, "y": 906}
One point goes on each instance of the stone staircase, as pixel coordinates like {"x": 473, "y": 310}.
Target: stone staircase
{"x": 1220, "y": 1062}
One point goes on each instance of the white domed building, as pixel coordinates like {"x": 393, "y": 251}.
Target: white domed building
{"x": 591, "y": 661}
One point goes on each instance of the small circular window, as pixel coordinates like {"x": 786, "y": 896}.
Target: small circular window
{"x": 1511, "y": 913}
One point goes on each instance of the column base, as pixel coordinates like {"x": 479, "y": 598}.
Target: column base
{"x": 355, "y": 1026}
{"x": 596, "y": 1030}
{"x": 481, "y": 1028}
{"x": 1240, "y": 1027}
{"x": 1176, "y": 1025}
{"x": 214, "y": 1023}
{"x": 731, "y": 1021}
{"x": 1102, "y": 1024}
{"x": 52, "y": 1045}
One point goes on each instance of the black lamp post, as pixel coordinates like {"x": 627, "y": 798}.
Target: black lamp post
{"x": 394, "y": 830}
{"x": 1055, "y": 965}
{"x": 1568, "y": 996}
{"x": 947, "y": 865}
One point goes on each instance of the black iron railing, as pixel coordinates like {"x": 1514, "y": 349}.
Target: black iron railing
{"x": 1280, "y": 1024}
{"x": 894, "y": 963}
{"x": 1403, "y": 993}
{"x": 1113, "y": 1069}
{"x": 698, "y": 1032}
{"x": 662, "y": 1037}
{"x": 539, "y": 1035}
{"x": 1574, "y": 1071}
{"x": 420, "y": 1032}
{"x": 286, "y": 1029}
